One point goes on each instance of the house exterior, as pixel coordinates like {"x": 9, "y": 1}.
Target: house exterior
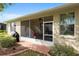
{"x": 2, "y": 26}
{"x": 55, "y": 25}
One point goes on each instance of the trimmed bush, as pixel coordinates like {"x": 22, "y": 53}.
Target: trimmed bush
{"x": 7, "y": 42}
{"x": 62, "y": 50}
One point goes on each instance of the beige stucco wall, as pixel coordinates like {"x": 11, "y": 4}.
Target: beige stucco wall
{"x": 8, "y": 28}
{"x": 67, "y": 39}
{"x": 18, "y": 27}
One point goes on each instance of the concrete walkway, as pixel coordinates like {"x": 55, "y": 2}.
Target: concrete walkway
{"x": 40, "y": 48}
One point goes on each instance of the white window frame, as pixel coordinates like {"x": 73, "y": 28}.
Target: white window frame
{"x": 74, "y": 27}
{"x": 70, "y": 36}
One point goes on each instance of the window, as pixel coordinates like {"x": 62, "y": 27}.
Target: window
{"x": 0, "y": 26}
{"x": 67, "y": 24}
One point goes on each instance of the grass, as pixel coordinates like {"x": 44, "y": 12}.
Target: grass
{"x": 30, "y": 53}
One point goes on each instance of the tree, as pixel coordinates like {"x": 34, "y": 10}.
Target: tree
{"x": 3, "y": 6}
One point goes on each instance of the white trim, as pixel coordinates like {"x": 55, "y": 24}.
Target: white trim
{"x": 68, "y": 36}
{"x": 47, "y": 35}
{"x": 36, "y": 41}
{"x": 43, "y": 30}
{"x": 53, "y": 30}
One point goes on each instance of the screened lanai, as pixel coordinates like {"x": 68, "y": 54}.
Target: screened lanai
{"x": 41, "y": 28}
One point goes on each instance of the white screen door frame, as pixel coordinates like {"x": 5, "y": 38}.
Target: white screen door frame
{"x": 49, "y": 35}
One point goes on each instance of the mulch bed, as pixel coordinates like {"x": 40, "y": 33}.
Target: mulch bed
{"x": 14, "y": 49}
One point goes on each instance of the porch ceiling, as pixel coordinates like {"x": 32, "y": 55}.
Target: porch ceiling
{"x": 43, "y": 13}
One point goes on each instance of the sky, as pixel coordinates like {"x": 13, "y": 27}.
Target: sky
{"x": 21, "y": 9}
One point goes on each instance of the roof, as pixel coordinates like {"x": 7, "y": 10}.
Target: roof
{"x": 44, "y": 12}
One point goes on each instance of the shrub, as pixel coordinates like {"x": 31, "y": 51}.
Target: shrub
{"x": 2, "y": 31}
{"x": 7, "y": 42}
{"x": 62, "y": 50}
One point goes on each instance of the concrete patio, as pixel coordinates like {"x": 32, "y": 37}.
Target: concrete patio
{"x": 40, "y": 48}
